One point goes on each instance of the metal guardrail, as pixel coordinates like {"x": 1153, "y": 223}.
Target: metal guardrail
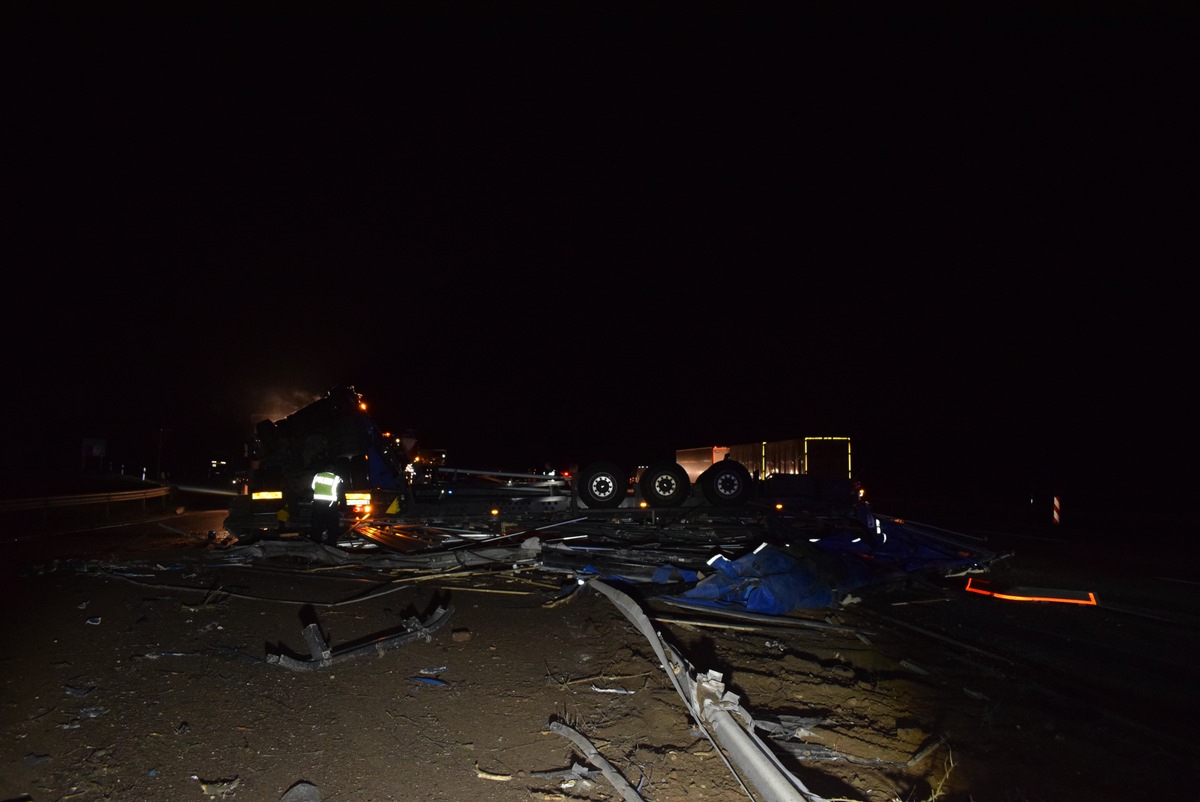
{"x": 56, "y": 511}
{"x": 82, "y": 499}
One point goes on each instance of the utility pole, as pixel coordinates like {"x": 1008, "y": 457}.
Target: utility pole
{"x": 158, "y": 476}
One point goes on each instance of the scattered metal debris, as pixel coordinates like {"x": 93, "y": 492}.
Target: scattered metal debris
{"x": 807, "y": 751}
{"x": 211, "y": 601}
{"x": 622, "y": 786}
{"x": 221, "y": 788}
{"x": 437, "y": 683}
{"x": 302, "y": 791}
{"x": 571, "y": 775}
{"x": 1035, "y": 594}
{"x": 719, "y": 716}
{"x": 487, "y": 775}
{"x": 324, "y": 657}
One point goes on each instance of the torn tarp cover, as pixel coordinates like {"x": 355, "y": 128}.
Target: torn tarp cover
{"x": 774, "y": 581}
{"x": 661, "y": 575}
{"x": 901, "y": 548}
{"x": 767, "y": 580}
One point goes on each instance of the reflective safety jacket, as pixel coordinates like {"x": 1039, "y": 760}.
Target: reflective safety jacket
{"x": 325, "y": 487}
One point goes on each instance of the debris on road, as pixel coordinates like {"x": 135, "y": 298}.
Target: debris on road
{"x": 1036, "y": 594}
{"x": 322, "y": 656}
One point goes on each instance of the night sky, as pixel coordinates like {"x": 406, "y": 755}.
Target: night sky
{"x": 964, "y": 240}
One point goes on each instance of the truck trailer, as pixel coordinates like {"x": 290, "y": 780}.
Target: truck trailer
{"x": 821, "y": 457}
{"x": 806, "y": 471}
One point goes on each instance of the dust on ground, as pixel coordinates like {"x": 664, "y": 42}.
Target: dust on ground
{"x": 142, "y": 672}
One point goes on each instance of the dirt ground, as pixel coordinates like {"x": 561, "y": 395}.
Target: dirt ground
{"x": 139, "y": 666}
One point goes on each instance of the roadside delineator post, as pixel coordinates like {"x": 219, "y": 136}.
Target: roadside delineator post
{"x": 1057, "y": 511}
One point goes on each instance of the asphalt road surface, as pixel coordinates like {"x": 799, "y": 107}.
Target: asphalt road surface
{"x": 1113, "y": 629}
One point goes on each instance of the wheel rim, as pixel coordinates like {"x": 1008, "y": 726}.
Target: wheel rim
{"x": 602, "y": 487}
{"x": 728, "y": 485}
{"x": 665, "y": 485}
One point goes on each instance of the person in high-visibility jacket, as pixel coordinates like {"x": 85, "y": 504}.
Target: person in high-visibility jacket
{"x": 328, "y": 496}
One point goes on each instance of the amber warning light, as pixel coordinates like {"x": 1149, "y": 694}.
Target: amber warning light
{"x": 359, "y": 502}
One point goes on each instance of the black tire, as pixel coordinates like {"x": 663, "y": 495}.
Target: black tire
{"x": 665, "y": 484}
{"x": 603, "y": 485}
{"x": 726, "y": 484}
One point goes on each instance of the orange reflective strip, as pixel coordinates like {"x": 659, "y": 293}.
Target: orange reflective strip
{"x": 1090, "y": 600}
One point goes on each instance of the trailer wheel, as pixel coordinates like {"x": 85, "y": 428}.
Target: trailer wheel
{"x": 602, "y": 485}
{"x": 726, "y": 483}
{"x": 665, "y": 484}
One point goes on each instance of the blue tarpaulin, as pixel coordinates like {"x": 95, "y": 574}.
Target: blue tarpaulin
{"x": 776, "y": 580}
{"x": 768, "y": 580}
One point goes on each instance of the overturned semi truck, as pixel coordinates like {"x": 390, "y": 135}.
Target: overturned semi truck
{"x": 283, "y": 456}
{"x": 384, "y": 483}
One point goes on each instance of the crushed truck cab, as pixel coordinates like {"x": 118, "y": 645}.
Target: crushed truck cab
{"x": 285, "y": 454}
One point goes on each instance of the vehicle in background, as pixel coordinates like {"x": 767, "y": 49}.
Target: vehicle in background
{"x": 804, "y": 470}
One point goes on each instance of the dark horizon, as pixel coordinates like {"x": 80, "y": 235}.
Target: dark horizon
{"x": 941, "y": 466}
{"x": 959, "y": 239}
